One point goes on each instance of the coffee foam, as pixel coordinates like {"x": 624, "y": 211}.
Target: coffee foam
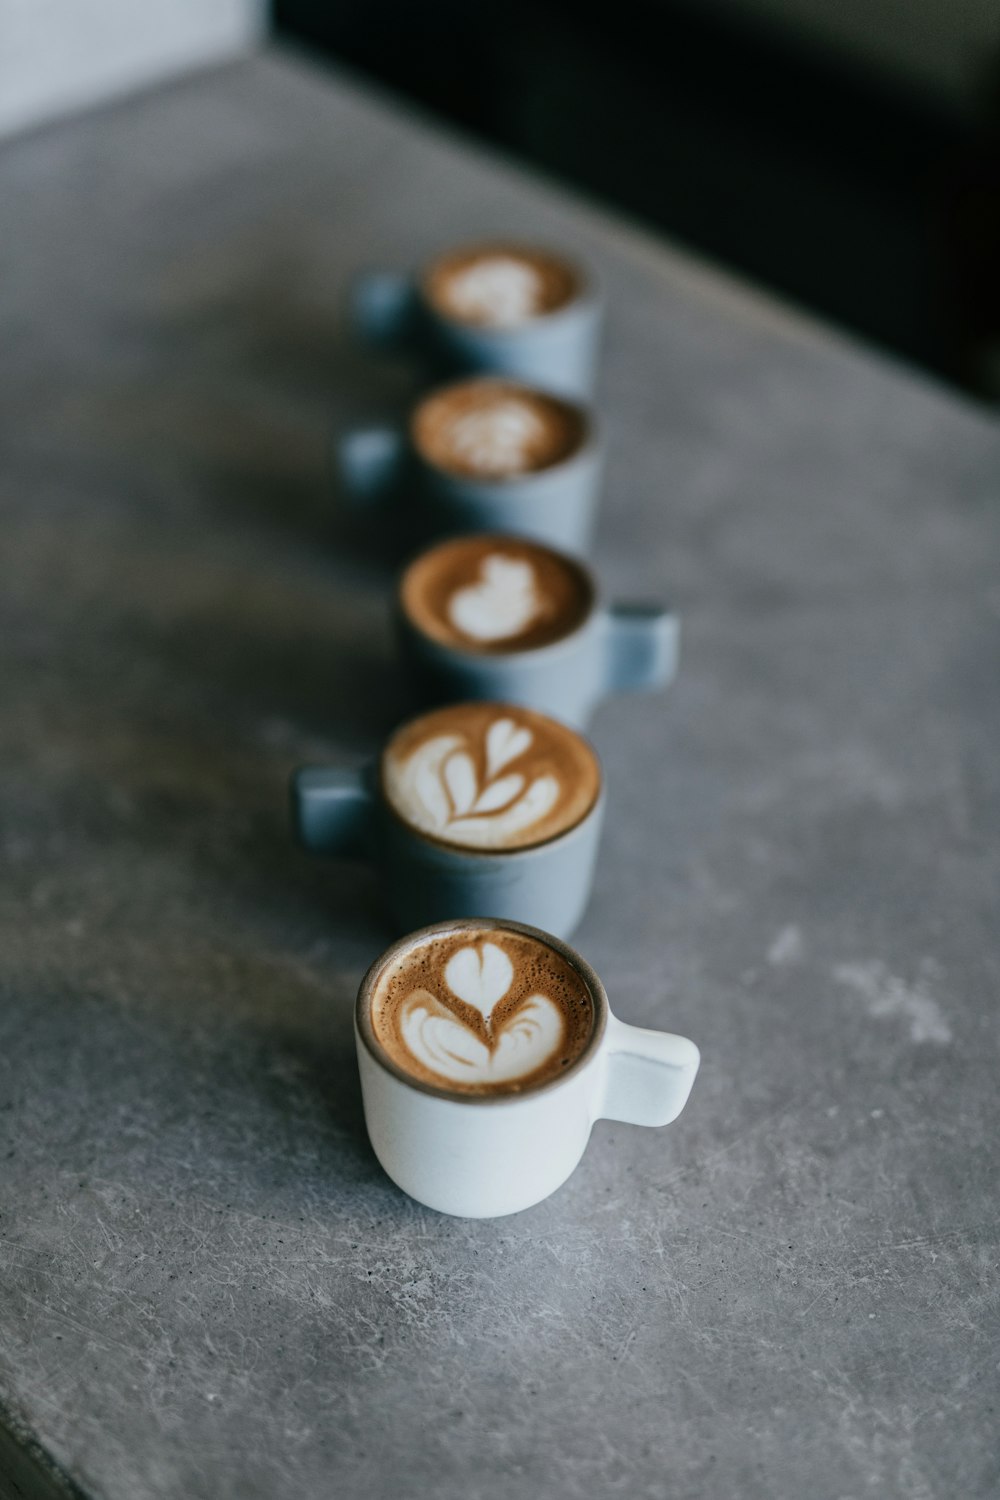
{"x": 489, "y": 776}
{"x": 500, "y": 286}
{"x": 495, "y": 429}
{"x": 482, "y": 1012}
{"x": 493, "y": 594}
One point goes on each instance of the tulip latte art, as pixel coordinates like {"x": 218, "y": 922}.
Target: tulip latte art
{"x": 482, "y": 1012}
{"x": 495, "y": 429}
{"x": 500, "y": 286}
{"x": 488, "y": 776}
{"x": 493, "y": 594}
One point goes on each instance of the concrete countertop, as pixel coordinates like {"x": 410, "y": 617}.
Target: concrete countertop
{"x": 209, "y": 1289}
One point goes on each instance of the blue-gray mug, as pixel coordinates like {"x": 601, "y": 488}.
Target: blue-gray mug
{"x": 390, "y": 469}
{"x": 533, "y": 314}
{"x": 505, "y": 619}
{"x": 475, "y": 810}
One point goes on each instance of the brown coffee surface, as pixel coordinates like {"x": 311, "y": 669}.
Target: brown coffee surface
{"x": 495, "y": 429}
{"x": 502, "y": 285}
{"x": 489, "y": 776}
{"x": 482, "y": 1011}
{"x": 494, "y": 594}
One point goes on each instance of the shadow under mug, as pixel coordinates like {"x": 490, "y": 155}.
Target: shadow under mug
{"x": 616, "y": 648}
{"x": 557, "y": 350}
{"x": 421, "y": 881}
{"x": 479, "y": 1157}
{"x": 381, "y": 470}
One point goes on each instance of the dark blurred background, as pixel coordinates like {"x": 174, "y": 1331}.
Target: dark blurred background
{"x": 845, "y": 153}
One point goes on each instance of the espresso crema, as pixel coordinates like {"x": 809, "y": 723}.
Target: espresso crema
{"x": 489, "y": 776}
{"x": 495, "y": 429}
{"x": 482, "y": 1012}
{"x": 500, "y": 285}
{"x": 493, "y": 594}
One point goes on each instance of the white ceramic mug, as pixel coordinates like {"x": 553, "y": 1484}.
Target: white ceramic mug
{"x": 482, "y": 1156}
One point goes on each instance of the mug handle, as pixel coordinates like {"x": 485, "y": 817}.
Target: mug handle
{"x": 382, "y": 306}
{"x": 642, "y": 642}
{"x": 369, "y": 462}
{"x": 332, "y": 810}
{"x": 647, "y": 1074}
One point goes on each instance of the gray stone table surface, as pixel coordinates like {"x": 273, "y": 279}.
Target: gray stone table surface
{"x": 208, "y": 1289}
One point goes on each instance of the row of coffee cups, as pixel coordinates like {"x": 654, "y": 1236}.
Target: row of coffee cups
{"x": 482, "y": 816}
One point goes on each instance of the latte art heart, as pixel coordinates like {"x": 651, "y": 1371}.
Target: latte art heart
{"x": 480, "y": 977}
{"x": 505, "y": 741}
{"x": 503, "y": 603}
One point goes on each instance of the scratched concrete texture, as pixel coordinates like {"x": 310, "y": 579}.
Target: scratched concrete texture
{"x": 209, "y": 1289}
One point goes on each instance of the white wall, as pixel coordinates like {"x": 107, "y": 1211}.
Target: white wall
{"x": 57, "y": 56}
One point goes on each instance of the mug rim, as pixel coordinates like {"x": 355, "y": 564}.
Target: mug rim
{"x": 366, "y": 1031}
{"x": 588, "y": 294}
{"x": 595, "y": 604}
{"x": 523, "y": 850}
{"x": 588, "y": 446}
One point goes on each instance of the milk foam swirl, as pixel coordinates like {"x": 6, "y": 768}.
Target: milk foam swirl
{"x": 501, "y": 284}
{"x": 497, "y": 291}
{"x": 493, "y": 429}
{"x": 499, "y": 439}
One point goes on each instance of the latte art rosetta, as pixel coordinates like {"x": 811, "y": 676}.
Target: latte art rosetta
{"x": 440, "y": 785}
{"x": 491, "y": 777}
